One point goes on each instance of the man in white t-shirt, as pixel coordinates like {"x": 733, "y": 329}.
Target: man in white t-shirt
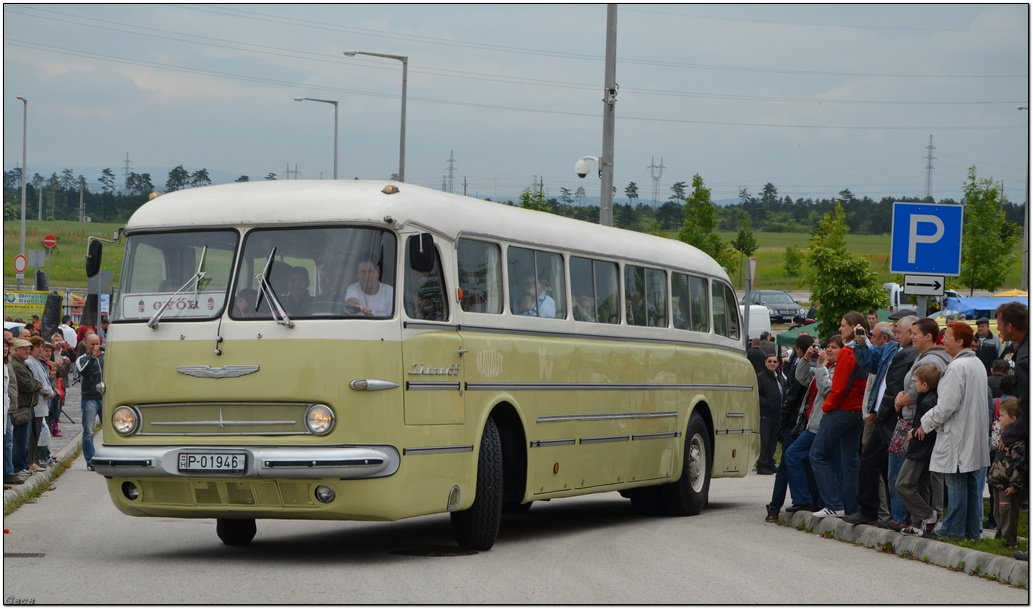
{"x": 67, "y": 331}
{"x": 367, "y": 294}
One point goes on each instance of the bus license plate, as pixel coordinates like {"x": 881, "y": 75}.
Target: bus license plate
{"x": 212, "y": 462}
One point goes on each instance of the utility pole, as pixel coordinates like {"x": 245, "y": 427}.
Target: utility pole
{"x": 929, "y": 169}
{"x": 125, "y": 174}
{"x": 609, "y": 116}
{"x": 656, "y": 172}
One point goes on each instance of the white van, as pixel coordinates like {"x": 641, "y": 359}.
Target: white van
{"x": 759, "y": 320}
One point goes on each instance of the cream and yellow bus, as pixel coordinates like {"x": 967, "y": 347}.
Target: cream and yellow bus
{"x": 364, "y": 350}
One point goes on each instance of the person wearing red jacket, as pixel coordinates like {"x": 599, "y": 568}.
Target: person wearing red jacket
{"x": 841, "y": 427}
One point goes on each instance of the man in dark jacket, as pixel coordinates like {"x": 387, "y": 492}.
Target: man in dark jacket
{"x": 91, "y": 367}
{"x": 771, "y": 394}
{"x": 28, "y": 393}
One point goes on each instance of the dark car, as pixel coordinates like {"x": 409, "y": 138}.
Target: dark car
{"x": 781, "y": 306}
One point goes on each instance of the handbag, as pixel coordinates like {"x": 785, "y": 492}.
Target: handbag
{"x": 899, "y": 441}
{"x": 21, "y": 416}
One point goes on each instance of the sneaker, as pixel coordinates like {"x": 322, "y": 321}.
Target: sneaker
{"x": 892, "y": 525}
{"x": 1022, "y": 556}
{"x": 990, "y": 526}
{"x": 36, "y": 468}
{"x": 799, "y": 508}
{"x": 772, "y": 515}
{"x": 826, "y": 513}
{"x": 89, "y": 466}
{"x": 930, "y": 523}
{"x": 12, "y": 480}
{"x": 859, "y": 518}
{"x": 912, "y": 531}
{"x": 57, "y": 434}
{"x": 25, "y": 473}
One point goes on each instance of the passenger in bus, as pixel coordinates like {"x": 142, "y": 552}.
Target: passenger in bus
{"x": 330, "y": 277}
{"x": 367, "y": 294}
{"x": 584, "y": 308}
{"x": 244, "y": 303}
{"x": 537, "y": 301}
{"x": 423, "y": 298}
{"x": 297, "y": 295}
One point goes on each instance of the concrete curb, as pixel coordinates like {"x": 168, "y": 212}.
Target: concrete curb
{"x": 1005, "y": 569}
{"x": 43, "y": 478}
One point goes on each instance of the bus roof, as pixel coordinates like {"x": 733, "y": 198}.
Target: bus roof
{"x": 319, "y": 202}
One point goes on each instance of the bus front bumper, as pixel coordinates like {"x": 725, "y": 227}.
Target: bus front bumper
{"x": 350, "y": 462}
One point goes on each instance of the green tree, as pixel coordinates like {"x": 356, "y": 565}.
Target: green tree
{"x": 793, "y": 261}
{"x": 700, "y": 226}
{"x": 243, "y": 179}
{"x": 744, "y": 243}
{"x": 566, "y": 195}
{"x": 678, "y": 191}
{"x": 107, "y": 181}
{"x": 272, "y": 176}
{"x": 839, "y": 281}
{"x": 139, "y": 184}
{"x": 179, "y": 178}
{"x": 988, "y": 240}
{"x": 534, "y": 198}
{"x": 631, "y": 192}
{"x": 200, "y": 178}
{"x": 580, "y": 195}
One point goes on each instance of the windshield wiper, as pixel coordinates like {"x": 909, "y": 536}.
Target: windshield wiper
{"x": 266, "y": 289}
{"x": 194, "y": 281}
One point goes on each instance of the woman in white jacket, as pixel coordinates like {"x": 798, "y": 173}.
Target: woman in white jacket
{"x": 962, "y": 422}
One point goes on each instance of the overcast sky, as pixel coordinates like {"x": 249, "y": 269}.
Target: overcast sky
{"x": 811, "y": 98}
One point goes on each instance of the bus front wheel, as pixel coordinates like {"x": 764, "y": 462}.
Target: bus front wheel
{"x": 236, "y": 531}
{"x": 477, "y": 527}
{"x": 688, "y": 496}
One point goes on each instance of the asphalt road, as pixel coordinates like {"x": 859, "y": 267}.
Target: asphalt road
{"x": 72, "y": 546}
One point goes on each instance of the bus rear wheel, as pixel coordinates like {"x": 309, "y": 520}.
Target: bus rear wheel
{"x": 688, "y": 496}
{"x": 477, "y": 527}
{"x": 236, "y": 531}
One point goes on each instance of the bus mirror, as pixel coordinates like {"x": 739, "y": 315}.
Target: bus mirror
{"x": 93, "y": 256}
{"x": 421, "y": 253}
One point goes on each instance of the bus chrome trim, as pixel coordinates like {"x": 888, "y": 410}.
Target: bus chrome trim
{"x": 225, "y": 372}
{"x": 343, "y": 462}
{"x": 480, "y": 386}
{"x": 430, "y": 325}
{"x": 735, "y": 415}
{"x": 656, "y": 436}
{"x": 432, "y": 386}
{"x": 554, "y": 418}
{"x": 604, "y": 439}
{"x": 372, "y": 385}
{"x": 547, "y": 443}
{"x": 220, "y": 419}
{"x": 437, "y": 450}
{"x": 743, "y": 430}
{"x": 622, "y": 337}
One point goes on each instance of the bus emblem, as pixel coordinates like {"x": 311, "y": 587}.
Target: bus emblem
{"x": 452, "y": 370}
{"x": 226, "y": 372}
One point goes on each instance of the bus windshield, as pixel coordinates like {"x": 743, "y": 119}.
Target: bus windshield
{"x": 187, "y": 273}
{"x": 316, "y": 273}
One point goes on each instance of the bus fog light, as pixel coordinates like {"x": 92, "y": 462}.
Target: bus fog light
{"x": 319, "y": 419}
{"x": 125, "y": 420}
{"x": 130, "y": 491}
{"x": 325, "y": 494}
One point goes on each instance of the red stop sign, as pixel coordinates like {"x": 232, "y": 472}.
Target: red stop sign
{"x": 50, "y": 241}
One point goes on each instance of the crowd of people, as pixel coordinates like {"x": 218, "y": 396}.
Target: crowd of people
{"x": 901, "y": 425}
{"x": 38, "y": 371}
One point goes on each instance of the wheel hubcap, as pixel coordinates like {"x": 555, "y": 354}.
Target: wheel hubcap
{"x": 697, "y": 461}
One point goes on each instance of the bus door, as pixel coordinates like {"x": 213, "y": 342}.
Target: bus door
{"x": 431, "y": 345}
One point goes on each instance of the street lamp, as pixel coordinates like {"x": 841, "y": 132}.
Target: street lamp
{"x": 25, "y": 136}
{"x": 326, "y": 101}
{"x": 1025, "y": 221}
{"x": 405, "y": 79}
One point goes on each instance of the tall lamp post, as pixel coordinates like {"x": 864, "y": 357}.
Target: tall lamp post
{"x": 1025, "y": 222}
{"x": 25, "y": 137}
{"x": 326, "y": 101}
{"x": 405, "y": 79}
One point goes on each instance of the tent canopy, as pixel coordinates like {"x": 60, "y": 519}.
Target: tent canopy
{"x": 982, "y": 307}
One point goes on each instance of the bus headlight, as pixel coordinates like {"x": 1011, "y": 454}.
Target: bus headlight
{"x": 319, "y": 419}
{"x": 125, "y": 420}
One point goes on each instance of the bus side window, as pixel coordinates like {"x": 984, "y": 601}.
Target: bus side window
{"x": 726, "y": 313}
{"x": 480, "y": 276}
{"x": 656, "y": 298}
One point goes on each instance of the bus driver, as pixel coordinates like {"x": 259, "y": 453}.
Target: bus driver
{"x": 368, "y": 294}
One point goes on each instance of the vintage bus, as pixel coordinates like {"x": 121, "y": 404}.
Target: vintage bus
{"x": 376, "y": 351}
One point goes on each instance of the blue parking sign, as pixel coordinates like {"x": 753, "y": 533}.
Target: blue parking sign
{"x": 926, "y": 239}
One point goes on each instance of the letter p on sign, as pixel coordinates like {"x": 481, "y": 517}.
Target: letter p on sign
{"x": 926, "y": 239}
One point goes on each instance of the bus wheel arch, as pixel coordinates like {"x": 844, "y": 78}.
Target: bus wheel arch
{"x": 514, "y": 458}
{"x": 689, "y": 494}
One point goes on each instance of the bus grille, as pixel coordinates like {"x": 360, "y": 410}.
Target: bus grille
{"x": 223, "y": 419}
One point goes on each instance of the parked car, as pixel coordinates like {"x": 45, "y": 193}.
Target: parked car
{"x": 780, "y": 305}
